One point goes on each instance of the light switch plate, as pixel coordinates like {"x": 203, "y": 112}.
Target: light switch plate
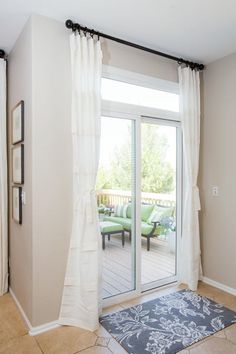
{"x": 215, "y": 191}
{"x": 23, "y": 197}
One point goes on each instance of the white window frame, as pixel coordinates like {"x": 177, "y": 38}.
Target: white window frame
{"x": 133, "y": 78}
{"x": 139, "y": 114}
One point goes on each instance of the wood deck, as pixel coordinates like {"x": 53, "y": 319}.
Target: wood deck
{"x": 158, "y": 263}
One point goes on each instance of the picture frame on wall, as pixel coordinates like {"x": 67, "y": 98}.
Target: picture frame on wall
{"x": 17, "y": 204}
{"x": 18, "y": 164}
{"x": 18, "y": 123}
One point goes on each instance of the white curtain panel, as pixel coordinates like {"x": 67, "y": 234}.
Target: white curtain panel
{"x": 3, "y": 183}
{"x": 190, "y": 258}
{"x": 81, "y": 299}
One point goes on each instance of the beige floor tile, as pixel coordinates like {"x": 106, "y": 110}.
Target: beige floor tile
{"x": 115, "y": 347}
{"x": 96, "y": 350}
{"x": 214, "y": 346}
{"x": 223, "y": 296}
{"x": 70, "y": 340}
{"x": 217, "y": 295}
{"x": 198, "y": 343}
{"x": 227, "y": 300}
{"x": 230, "y": 333}
{"x": 65, "y": 340}
{"x": 220, "y": 334}
{"x": 20, "y": 345}
{"x": 207, "y": 290}
{"x": 102, "y": 341}
{"x": 11, "y": 324}
{"x": 101, "y": 332}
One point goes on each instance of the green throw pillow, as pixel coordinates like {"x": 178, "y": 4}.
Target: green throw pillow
{"x": 129, "y": 211}
{"x": 146, "y": 211}
{"x": 121, "y": 211}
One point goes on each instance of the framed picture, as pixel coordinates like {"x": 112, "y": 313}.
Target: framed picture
{"x": 18, "y": 123}
{"x": 17, "y": 204}
{"x": 18, "y": 164}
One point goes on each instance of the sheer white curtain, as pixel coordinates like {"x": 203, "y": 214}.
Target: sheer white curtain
{"x": 82, "y": 287}
{"x": 190, "y": 258}
{"x": 3, "y": 183}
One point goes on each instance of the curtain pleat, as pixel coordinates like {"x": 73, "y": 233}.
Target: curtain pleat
{"x": 81, "y": 301}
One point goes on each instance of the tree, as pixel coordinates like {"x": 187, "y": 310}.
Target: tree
{"x": 157, "y": 174}
{"x": 156, "y": 171}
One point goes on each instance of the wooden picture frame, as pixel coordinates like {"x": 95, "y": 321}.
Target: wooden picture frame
{"x": 17, "y": 122}
{"x": 18, "y": 164}
{"x": 17, "y": 204}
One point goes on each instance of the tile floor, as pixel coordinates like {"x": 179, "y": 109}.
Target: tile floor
{"x": 69, "y": 340}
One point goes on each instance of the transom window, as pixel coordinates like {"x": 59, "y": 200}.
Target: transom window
{"x": 123, "y": 92}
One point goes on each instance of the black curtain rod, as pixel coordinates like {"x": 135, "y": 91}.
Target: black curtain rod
{"x": 76, "y": 27}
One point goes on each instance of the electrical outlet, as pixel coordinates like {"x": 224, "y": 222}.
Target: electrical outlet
{"x": 215, "y": 191}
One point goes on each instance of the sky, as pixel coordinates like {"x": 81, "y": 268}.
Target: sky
{"x": 114, "y": 132}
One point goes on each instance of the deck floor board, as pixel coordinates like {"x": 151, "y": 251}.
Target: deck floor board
{"x": 158, "y": 263}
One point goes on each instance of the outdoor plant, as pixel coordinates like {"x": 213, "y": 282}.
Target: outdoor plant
{"x": 168, "y": 224}
{"x": 103, "y": 209}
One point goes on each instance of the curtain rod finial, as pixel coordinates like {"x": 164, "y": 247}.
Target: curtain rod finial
{"x": 69, "y": 24}
{"x": 201, "y": 67}
{"x": 2, "y": 53}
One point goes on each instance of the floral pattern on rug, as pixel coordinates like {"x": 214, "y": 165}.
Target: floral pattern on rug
{"x": 167, "y": 324}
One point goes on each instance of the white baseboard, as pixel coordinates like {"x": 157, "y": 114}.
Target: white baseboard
{"x": 44, "y": 328}
{"x": 33, "y": 331}
{"x": 25, "y": 318}
{"x": 218, "y": 285}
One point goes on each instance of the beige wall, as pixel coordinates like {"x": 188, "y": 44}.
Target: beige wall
{"x": 218, "y": 168}
{"x": 20, "y": 242}
{"x": 52, "y": 165}
{"x": 135, "y": 60}
{"x": 51, "y": 162}
{"x": 39, "y": 73}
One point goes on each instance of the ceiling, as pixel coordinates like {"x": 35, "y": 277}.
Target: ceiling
{"x": 200, "y": 30}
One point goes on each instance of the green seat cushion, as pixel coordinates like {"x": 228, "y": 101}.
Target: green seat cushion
{"x": 146, "y": 211}
{"x": 146, "y": 228}
{"x": 107, "y": 226}
{"x": 125, "y": 222}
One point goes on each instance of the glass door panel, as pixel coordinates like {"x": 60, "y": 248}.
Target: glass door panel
{"x": 158, "y": 202}
{"x": 116, "y": 204}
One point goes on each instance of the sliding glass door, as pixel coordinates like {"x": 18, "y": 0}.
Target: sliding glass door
{"x": 160, "y": 191}
{"x": 116, "y": 205}
{"x": 138, "y": 193}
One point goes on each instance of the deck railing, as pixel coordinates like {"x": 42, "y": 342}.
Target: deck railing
{"x": 111, "y": 197}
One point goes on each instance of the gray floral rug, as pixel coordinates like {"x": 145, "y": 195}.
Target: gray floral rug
{"x": 167, "y": 324}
